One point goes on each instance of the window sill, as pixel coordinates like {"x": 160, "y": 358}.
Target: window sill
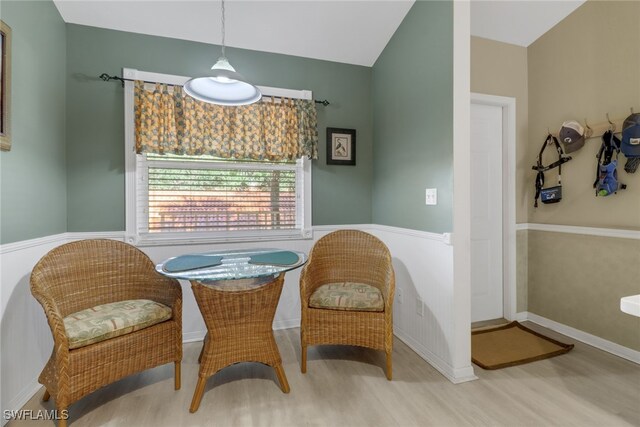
{"x": 177, "y": 239}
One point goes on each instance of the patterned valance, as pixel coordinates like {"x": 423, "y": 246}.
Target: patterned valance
{"x": 175, "y": 123}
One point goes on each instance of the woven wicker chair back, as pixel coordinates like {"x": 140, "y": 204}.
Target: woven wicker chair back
{"x": 87, "y": 273}
{"x": 351, "y": 255}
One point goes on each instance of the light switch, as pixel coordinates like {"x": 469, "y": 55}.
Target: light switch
{"x": 431, "y": 196}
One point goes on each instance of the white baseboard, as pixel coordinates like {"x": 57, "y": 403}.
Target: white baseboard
{"x": 521, "y": 317}
{"x": 456, "y": 376}
{"x": 193, "y": 336}
{"x": 286, "y": 324}
{"x": 196, "y": 336}
{"x": 23, "y": 397}
{"x": 592, "y": 340}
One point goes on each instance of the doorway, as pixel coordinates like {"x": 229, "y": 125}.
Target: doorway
{"x": 492, "y": 208}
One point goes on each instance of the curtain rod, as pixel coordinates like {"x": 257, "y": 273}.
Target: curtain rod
{"x": 106, "y": 77}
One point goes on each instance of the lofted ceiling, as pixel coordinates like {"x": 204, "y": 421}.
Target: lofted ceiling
{"x": 353, "y": 32}
{"x": 519, "y": 22}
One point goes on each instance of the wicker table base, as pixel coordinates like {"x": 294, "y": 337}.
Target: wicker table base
{"x": 239, "y": 325}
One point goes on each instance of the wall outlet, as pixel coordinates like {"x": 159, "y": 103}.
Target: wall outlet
{"x": 419, "y": 307}
{"x": 399, "y": 295}
{"x": 447, "y": 238}
{"x": 431, "y": 196}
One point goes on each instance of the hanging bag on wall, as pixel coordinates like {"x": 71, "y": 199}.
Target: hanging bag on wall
{"x": 631, "y": 142}
{"x": 550, "y": 194}
{"x": 606, "y": 182}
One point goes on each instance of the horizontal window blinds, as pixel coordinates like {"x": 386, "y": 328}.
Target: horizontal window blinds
{"x": 219, "y": 196}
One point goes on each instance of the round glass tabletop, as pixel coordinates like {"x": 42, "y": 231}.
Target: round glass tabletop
{"x": 232, "y": 264}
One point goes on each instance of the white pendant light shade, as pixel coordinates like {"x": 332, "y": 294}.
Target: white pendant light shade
{"x": 224, "y": 87}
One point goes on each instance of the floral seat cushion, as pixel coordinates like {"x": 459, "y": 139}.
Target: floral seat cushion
{"x": 347, "y": 296}
{"x": 112, "y": 320}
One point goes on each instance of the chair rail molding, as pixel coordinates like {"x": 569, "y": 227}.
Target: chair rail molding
{"x": 589, "y": 231}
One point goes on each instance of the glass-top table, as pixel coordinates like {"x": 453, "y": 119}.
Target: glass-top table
{"x": 231, "y": 265}
{"x": 237, "y": 292}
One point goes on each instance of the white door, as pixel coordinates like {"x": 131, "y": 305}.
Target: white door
{"x": 486, "y": 212}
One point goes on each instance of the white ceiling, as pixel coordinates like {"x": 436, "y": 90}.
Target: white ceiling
{"x": 518, "y": 22}
{"x": 353, "y": 32}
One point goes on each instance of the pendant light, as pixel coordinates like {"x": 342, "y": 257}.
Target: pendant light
{"x": 225, "y": 86}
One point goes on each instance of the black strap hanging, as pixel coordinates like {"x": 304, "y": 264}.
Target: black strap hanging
{"x": 610, "y": 145}
{"x": 606, "y": 182}
{"x": 541, "y": 168}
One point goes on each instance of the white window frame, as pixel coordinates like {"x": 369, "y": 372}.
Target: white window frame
{"x": 134, "y": 175}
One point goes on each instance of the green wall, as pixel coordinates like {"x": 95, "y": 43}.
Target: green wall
{"x": 413, "y": 121}
{"x": 66, "y": 169}
{"x": 33, "y": 196}
{"x": 95, "y": 125}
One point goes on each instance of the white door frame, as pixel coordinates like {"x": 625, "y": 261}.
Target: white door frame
{"x": 508, "y": 106}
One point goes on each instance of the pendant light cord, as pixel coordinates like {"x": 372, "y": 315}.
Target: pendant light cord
{"x": 223, "y": 30}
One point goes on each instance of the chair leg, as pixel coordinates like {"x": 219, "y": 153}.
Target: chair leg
{"x": 201, "y": 353}
{"x": 197, "y": 394}
{"x": 282, "y": 378}
{"x": 177, "y": 374}
{"x": 389, "y": 371}
{"x": 46, "y": 396}
{"x": 64, "y": 415}
{"x": 303, "y": 359}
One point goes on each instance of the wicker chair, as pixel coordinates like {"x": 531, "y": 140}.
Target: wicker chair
{"x": 80, "y": 275}
{"x": 356, "y": 257}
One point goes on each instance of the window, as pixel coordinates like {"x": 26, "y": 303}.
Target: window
{"x": 182, "y": 199}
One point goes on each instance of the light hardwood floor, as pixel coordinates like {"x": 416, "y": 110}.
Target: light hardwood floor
{"x": 346, "y": 386}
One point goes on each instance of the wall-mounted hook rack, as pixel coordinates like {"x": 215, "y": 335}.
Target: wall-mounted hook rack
{"x": 612, "y": 126}
{"x": 589, "y": 132}
{"x": 598, "y": 129}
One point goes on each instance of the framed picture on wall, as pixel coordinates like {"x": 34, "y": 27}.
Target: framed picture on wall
{"x": 5, "y": 86}
{"x": 341, "y": 146}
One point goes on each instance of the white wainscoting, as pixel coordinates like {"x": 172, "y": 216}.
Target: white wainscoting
{"x": 423, "y": 263}
{"x": 25, "y": 339}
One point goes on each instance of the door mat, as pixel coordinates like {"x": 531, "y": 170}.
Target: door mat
{"x": 512, "y": 344}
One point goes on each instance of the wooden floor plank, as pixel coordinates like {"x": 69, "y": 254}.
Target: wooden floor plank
{"x": 346, "y": 386}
